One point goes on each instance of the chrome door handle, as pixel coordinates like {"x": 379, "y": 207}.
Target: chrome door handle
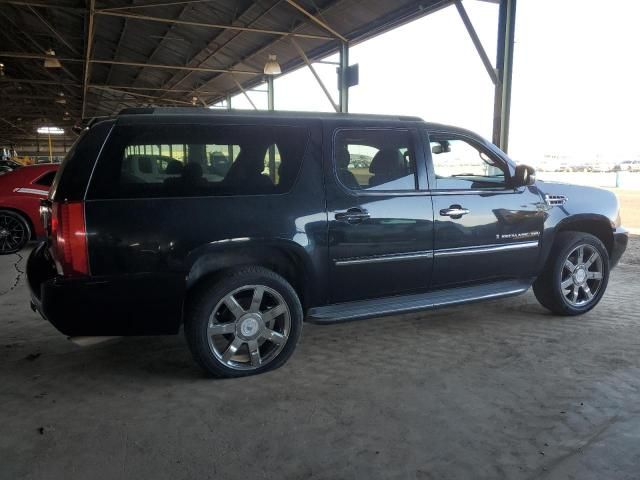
{"x": 454, "y": 211}
{"x": 353, "y": 215}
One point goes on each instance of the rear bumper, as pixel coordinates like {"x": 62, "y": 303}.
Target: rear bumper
{"x": 126, "y": 305}
{"x": 620, "y": 241}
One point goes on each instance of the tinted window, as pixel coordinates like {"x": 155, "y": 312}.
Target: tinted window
{"x": 46, "y": 179}
{"x": 461, "y": 165}
{"x": 375, "y": 159}
{"x": 73, "y": 175}
{"x": 199, "y": 160}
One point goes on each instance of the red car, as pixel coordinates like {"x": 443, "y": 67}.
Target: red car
{"x": 20, "y": 193}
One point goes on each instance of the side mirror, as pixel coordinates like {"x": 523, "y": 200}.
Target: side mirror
{"x": 523, "y": 176}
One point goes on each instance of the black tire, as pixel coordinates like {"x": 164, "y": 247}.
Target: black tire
{"x": 209, "y": 297}
{"x": 548, "y": 287}
{"x": 15, "y": 232}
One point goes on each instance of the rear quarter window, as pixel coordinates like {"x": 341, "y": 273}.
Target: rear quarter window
{"x": 73, "y": 176}
{"x": 153, "y": 161}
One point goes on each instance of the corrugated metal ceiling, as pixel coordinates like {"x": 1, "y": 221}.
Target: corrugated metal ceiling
{"x": 148, "y": 36}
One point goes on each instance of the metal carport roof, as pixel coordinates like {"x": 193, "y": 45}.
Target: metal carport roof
{"x": 115, "y": 54}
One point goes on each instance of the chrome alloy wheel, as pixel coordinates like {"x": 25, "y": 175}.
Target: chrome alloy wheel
{"x": 249, "y": 327}
{"x": 12, "y": 233}
{"x": 582, "y": 275}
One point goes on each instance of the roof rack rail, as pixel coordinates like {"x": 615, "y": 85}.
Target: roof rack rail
{"x": 136, "y": 111}
{"x": 199, "y": 110}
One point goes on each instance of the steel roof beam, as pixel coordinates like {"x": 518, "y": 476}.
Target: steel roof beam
{"x": 53, "y": 30}
{"x": 39, "y": 82}
{"x": 244, "y": 92}
{"x": 42, "y": 5}
{"x": 152, "y": 5}
{"x": 87, "y": 55}
{"x": 175, "y": 67}
{"x": 477, "y": 43}
{"x": 316, "y": 20}
{"x": 140, "y": 95}
{"x": 159, "y": 44}
{"x": 260, "y": 50}
{"x": 35, "y": 42}
{"x": 154, "y": 89}
{"x": 37, "y": 56}
{"x": 218, "y": 48}
{"x": 13, "y": 125}
{"x": 315, "y": 74}
{"x": 214, "y": 25}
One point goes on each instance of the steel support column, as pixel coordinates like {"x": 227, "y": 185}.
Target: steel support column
{"x": 87, "y": 58}
{"x": 343, "y": 87}
{"x": 270, "y": 92}
{"x": 504, "y": 67}
{"x": 272, "y": 148}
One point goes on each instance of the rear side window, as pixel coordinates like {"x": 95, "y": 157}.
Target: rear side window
{"x": 199, "y": 160}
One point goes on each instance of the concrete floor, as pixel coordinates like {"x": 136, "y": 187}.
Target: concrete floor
{"x": 499, "y": 390}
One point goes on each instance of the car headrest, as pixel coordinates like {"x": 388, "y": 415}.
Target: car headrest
{"x": 388, "y": 159}
{"x": 192, "y": 170}
{"x": 343, "y": 158}
{"x": 174, "y": 167}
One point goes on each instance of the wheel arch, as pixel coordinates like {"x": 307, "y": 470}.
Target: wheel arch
{"x": 285, "y": 258}
{"x": 597, "y": 225}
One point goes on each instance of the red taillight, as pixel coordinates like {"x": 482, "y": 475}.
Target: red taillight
{"x": 68, "y": 235}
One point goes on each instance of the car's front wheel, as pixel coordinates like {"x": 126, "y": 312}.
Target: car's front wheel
{"x": 243, "y": 323}
{"x": 576, "y": 275}
{"x": 14, "y": 232}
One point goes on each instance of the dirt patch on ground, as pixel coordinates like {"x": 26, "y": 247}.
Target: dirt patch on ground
{"x": 629, "y": 207}
{"x": 632, "y": 255}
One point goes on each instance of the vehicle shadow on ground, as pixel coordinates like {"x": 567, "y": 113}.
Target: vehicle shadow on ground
{"x": 168, "y": 358}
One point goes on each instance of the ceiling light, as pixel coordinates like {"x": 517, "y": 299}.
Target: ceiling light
{"x": 272, "y": 67}
{"x": 194, "y": 100}
{"x": 50, "y": 131}
{"x": 61, "y": 100}
{"x": 51, "y": 61}
{"x": 1, "y": 69}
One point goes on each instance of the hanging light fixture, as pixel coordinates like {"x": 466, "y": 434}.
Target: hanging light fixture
{"x": 272, "y": 67}
{"x": 50, "y": 131}
{"x": 51, "y": 61}
{"x": 1, "y": 69}
{"x": 61, "y": 100}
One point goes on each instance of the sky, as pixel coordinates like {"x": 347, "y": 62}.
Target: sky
{"x": 576, "y": 79}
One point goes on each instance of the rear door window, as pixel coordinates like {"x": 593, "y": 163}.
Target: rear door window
{"x": 199, "y": 160}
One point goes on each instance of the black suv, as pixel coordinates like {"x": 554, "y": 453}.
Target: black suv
{"x": 241, "y": 225}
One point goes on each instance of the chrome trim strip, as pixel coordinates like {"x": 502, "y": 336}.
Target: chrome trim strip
{"x": 450, "y": 252}
{"x": 396, "y": 257}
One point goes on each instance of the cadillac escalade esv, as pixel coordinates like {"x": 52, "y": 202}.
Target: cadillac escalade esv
{"x": 240, "y": 225}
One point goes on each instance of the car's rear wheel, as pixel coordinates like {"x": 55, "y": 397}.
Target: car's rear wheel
{"x": 576, "y": 275}
{"x": 244, "y": 323}
{"x": 14, "y": 232}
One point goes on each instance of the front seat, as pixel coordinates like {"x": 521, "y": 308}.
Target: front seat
{"x": 346, "y": 177}
{"x": 387, "y": 165}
